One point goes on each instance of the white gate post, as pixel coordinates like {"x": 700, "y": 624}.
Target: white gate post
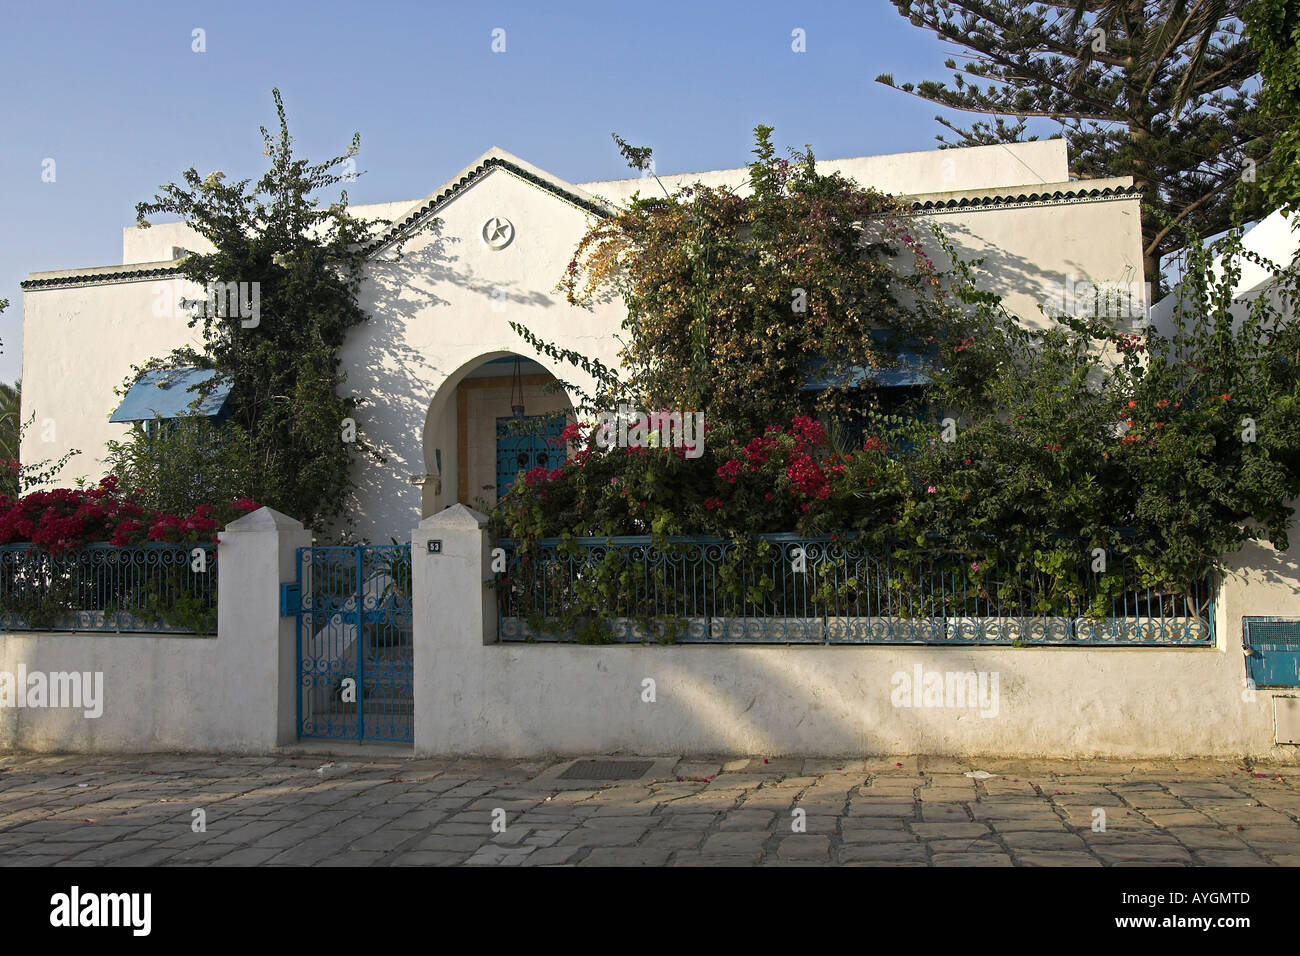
{"x": 454, "y": 616}
{"x": 257, "y": 649}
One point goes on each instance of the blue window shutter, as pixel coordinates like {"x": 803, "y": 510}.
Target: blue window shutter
{"x": 170, "y": 393}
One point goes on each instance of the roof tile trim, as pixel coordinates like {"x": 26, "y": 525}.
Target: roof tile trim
{"x": 99, "y": 278}
{"x": 985, "y": 202}
{"x": 398, "y": 229}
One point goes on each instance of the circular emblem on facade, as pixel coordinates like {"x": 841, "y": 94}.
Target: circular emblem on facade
{"x": 498, "y": 232}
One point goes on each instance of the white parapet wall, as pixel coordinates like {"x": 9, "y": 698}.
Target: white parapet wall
{"x": 234, "y": 691}
{"x": 476, "y": 696}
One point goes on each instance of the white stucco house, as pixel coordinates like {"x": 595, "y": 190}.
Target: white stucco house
{"x": 436, "y": 363}
{"x": 438, "y": 367}
{"x": 1275, "y": 238}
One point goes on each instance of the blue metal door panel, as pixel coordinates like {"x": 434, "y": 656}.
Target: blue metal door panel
{"x": 527, "y": 443}
{"x": 1273, "y": 651}
{"x": 355, "y": 655}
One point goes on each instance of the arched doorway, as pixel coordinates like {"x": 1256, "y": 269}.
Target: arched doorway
{"x": 475, "y": 442}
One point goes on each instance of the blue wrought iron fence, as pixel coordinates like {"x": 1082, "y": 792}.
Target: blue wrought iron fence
{"x": 355, "y": 654}
{"x": 151, "y": 588}
{"x": 828, "y": 590}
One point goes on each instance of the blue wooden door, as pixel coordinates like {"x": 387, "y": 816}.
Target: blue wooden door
{"x": 524, "y": 444}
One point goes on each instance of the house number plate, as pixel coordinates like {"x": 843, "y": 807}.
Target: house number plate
{"x": 435, "y": 546}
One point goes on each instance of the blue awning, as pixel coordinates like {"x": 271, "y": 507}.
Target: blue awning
{"x": 169, "y": 393}
{"x": 912, "y": 366}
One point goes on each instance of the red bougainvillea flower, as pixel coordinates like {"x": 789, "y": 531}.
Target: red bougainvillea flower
{"x": 1226, "y": 397}
{"x": 807, "y": 477}
{"x": 1131, "y": 342}
{"x": 164, "y": 527}
{"x": 874, "y": 444}
{"x": 729, "y": 471}
{"x": 758, "y": 448}
{"x": 1132, "y": 404}
{"x": 201, "y": 522}
{"x": 712, "y": 503}
{"x": 807, "y": 430}
{"x": 122, "y": 535}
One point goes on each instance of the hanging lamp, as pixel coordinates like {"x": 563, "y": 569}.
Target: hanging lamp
{"x": 517, "y": 393}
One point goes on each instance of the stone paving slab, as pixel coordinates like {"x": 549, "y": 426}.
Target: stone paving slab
{"x": 316, "y": 809}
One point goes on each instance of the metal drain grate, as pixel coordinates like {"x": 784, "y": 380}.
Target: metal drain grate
{"x": 607, "y": 770}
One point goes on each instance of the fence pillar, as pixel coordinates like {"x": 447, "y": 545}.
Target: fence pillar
{"x": 257, "y": 655}
{"x": 454, "y": 616}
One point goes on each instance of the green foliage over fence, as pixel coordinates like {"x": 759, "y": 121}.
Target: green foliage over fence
{"x": 788, "y": 588}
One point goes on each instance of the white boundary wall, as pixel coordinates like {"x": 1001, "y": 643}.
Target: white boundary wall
{"x": 236, "y": 692}
{"x": 476, "y": 696}
{"x": 233, "y": 692}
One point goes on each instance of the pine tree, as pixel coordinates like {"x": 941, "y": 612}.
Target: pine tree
{"x": 1273, "y": 27}
{"x": 1165, "y": 91}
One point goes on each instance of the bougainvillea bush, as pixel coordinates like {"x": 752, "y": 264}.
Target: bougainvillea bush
{"x": 1038, "y": 445}
{"x": 734, "y": 301}
{"x": 1172, "y": 450}
{"x": 41, "y": 585}
{"x": 64, "y": 518}
{"x": 787, "y": 478}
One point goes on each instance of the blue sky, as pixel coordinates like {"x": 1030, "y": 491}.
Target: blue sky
{"x": 114, "y": 94}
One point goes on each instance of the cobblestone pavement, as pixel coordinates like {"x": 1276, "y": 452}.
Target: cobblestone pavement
{"x": 365, "y": 810}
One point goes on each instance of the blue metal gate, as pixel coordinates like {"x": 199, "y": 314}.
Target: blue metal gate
{"x": 355, "y": 660}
